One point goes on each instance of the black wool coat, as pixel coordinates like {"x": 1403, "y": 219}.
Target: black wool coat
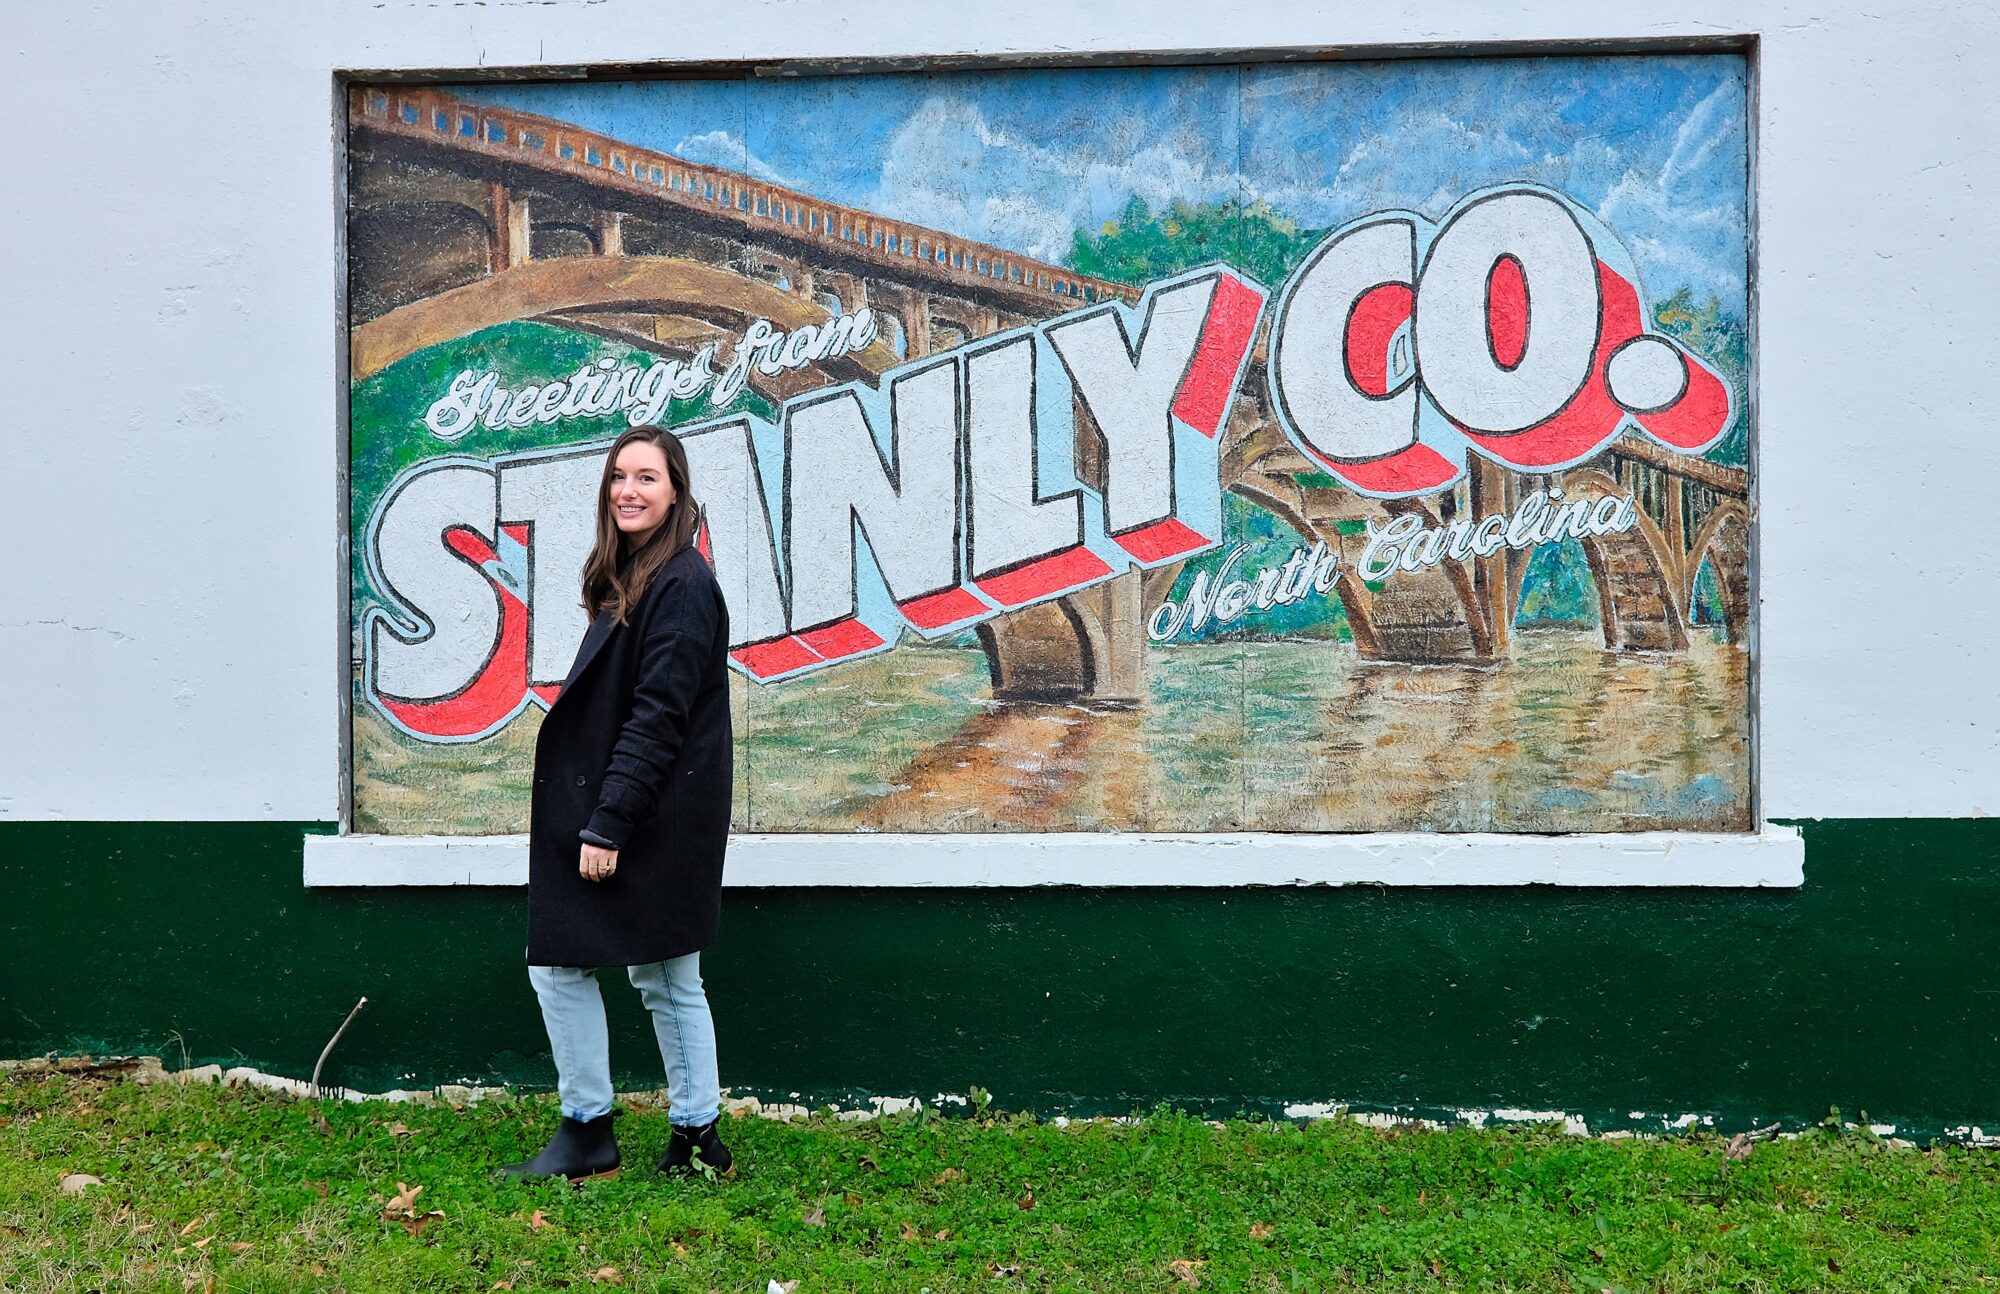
{"x": 637, "y": 748}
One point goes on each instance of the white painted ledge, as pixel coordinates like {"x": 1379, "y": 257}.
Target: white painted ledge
{"x": 1773, "y": 856}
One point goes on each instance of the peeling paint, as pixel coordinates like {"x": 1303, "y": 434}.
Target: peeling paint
{"x": 151, "y": 1070}
{"x": 116, "y": 636}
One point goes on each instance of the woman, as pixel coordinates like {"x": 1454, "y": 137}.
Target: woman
{"x": 630, "y": 814}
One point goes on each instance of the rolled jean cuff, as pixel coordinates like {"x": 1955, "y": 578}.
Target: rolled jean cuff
{"x": 573, "y": 1013}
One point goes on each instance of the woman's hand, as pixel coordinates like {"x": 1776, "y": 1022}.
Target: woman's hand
{"x": 597, "y": 863}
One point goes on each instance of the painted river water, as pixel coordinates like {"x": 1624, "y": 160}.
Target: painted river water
{"x": 1265, "y": 736}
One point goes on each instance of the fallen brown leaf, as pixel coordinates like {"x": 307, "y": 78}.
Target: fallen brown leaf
{"x": 240, "y": 1246}
{"x": 403, "y": 1210}
{"x": 1188, "y": 1271}
{"x": 78, "y": 1183}
{"x": 852, "y": 1200}
{"x": 1382, "y": 1209}
{"x": 142, "y": 1228}
{"x": 1727, "y": 1226}
{"x": 1437, "y": 1268}
{"x": 815, "y": 1216}
{"x": 207, "y": 1284}
{"x": 204, "y": 1242}
{"x": 400, "y": 1129}
{"x": 1259, "y": 1230}
{"x": 680, "y": 1250}
{"x": 537, "y": 1220}
{"x": 939, "y": 1235}
{"x": 193, "y": 1222}
{"x": 416, "y": 1222}
{"x": 10, "y": 1229}
{"x": 948, "y": 1176}
{"x": 910, "y": 1232}
{"x": 1421, "y": 1197}
{"x": 606, "y": 1276}
{"x": 1027, "y": 1200}
{"x": 318, "y": 1187}
{"x": 1003, "y": 1269}
{"x": 124, "y": 1213}
{"x": 501, "y": 1285}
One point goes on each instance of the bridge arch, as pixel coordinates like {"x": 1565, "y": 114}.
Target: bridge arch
{"x": 1432, "y": 616}
{"x": 1724, "y": 543}
{"x": 406, "y": 250}
{"x": 947, "y": 334}
{"x": 1040, "y": 653}
{"x": 550, "y": 240}
{"x": 895, "y": 335}
{"x": 655, "y": 285}
{"x": 1637, "y": 592}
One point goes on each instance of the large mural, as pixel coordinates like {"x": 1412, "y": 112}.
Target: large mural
{"x": 1330, "y": 447}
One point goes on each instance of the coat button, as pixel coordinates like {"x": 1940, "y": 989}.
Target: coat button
{"x": 581, "y": 780}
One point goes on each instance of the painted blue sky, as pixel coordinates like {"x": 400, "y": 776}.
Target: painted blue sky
{"x": 1657, "y": 146}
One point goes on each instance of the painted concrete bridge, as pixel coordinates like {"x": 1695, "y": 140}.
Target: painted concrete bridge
{"x": 463, "y": 216}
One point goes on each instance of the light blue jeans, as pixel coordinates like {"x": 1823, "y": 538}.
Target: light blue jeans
{"x": 573, "y": 1011}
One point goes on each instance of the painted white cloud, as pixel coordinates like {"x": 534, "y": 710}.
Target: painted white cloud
{"x": 725, "y": 149}
{"x": 1377, "y": 173}
{"x": 1681, "y": 216}
{"x": 1679, "y": 230}
{"x": 948, "y": 167}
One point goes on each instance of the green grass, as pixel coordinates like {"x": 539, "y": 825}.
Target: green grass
{"x": 243, "y": 1190}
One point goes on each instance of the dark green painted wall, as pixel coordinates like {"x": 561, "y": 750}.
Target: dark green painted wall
{"x": 1874, "y": 987}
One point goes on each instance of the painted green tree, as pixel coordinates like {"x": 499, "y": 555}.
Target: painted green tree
{"x": 1723, "y": 341}
{"x": 1144, "y": 244}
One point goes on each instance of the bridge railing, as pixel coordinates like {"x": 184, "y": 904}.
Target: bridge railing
{"x": 1719, "y": 477}
{"x": 1678, "y": 492}
{"x": 433, "y": 114}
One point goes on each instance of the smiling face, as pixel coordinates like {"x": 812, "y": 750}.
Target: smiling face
{"x": 640, "y": 492}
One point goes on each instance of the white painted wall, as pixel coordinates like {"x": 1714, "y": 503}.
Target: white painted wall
{"x": 170, "y": 627}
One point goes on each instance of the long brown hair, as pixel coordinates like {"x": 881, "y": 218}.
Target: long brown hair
{"x": 614, "y": 579}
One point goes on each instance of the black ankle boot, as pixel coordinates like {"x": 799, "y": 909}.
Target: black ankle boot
{"x": 579, "y": 1150}
{"x": 692, "y": 1149}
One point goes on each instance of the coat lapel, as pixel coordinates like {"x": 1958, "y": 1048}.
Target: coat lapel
{"x": 594, "y": 639}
